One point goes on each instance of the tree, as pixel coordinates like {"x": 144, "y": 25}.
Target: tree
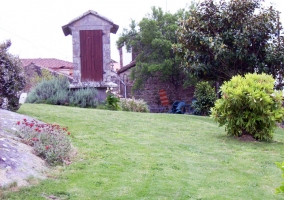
{"x": 151, "y": 39}
{"x": 226, "y": 38}
{"x": 12, "y": 79}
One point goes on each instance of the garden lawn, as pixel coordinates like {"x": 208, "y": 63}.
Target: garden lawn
{"x": 127, "y": 155}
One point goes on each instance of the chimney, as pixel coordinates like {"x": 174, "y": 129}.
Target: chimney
{"x": 121, "y": 57}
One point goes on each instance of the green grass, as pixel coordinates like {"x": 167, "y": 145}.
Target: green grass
{"x": 125, "y": 155}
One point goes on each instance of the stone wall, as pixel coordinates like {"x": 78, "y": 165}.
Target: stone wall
{"x": 150, "y": 92}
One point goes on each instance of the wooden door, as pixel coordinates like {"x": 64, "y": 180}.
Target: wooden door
{"x": 91, "y": 48}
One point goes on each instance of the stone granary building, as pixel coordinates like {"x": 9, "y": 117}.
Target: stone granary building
{"x": 91, "y": 51}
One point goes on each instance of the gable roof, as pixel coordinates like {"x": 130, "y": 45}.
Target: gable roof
{"x": 51, "y": 63}
{"x": 67, "y": 30}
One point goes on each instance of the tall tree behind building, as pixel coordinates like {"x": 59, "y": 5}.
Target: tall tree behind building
{"x": 223, "y": 38}
{"x": 151, "y": 40}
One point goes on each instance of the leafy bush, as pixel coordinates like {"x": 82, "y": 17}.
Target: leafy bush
{"x": 205, "y": 97}
{"x": 84, "y": 97}
{"x": 49, "y": 141}
{"x": 134, "y": 105}
{"x": 112, "y": 100}
{"x": 12, "y": 79}
{"x": 56, "y": 91}
{"x": 249, "y": 106}
{"x": 281, "y": 187}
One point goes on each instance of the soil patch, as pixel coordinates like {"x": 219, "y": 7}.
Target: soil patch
{"x": 247, "y": 138}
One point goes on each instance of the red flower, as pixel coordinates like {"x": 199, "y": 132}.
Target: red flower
{"x": 31, "y": 125}
{"x": 18, "y": 123}
{"x": 47, "y": 147}
{"x": 35, "y": 139}
{"x": 25, "y": 119}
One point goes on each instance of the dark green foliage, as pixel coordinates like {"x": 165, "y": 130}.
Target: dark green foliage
{"x": 12, "y": 79}
{"x": 221, "y": 39}
{"x": 151, "y": 39}
{"x": 56, "y": 91}
{"x": 205, "y": 98}
{"x": 249, "y": 106}
{"x": 112, "y": 102}
{"x": 84, "y": 98}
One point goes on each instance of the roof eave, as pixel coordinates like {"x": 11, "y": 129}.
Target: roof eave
{"x": 114, "y": 28}
{"x": 67, "y": 30}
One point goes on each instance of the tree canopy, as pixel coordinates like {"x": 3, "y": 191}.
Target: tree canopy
{"x": 151, "y": 39}
{"x": 225, "y": 38}
{"x": 12, "y": 79}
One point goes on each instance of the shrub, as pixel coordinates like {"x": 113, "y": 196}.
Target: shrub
{"x": 54, "y": 91}
{"x": 112, "y": 100}
{"x": 50, "y": 141}
{"x": 205, "y": 97}
{"x": 249, "y": 106}
{"x": 12, "y": 79}
{"x": 134, "y": 105}
{"x": 84, "y": 97}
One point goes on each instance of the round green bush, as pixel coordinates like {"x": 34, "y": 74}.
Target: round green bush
{"x": 249, "y": 106}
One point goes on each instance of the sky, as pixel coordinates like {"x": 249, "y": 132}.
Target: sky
{"x": 35, "y": 26}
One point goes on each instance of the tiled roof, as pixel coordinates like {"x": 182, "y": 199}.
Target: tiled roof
{"x": 51, "y": 63}
{"x": 67, "y": 31}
